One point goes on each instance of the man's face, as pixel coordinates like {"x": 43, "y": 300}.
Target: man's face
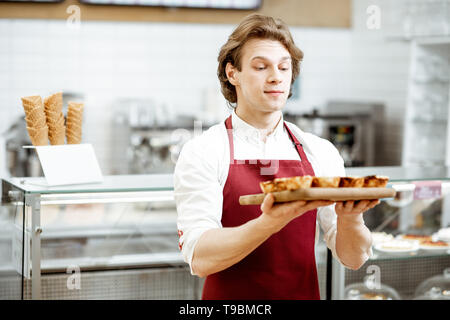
{"x": 264, "y": 80}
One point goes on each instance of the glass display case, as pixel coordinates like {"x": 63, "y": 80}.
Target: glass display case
{"x": 435, "y": 288}
{"x": 118, "y": 240}
{"x": 113, "y": 240}
{"x": 370, "y": 290}
{"x": 410, "y": 233}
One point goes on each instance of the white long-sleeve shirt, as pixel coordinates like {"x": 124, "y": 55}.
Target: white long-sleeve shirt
{"x": 202, "y": 168}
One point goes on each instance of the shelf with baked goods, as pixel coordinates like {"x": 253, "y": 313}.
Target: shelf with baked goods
{"x": 112, "y": 236}
{"x": 408, "y": 249}
{"x": 410, "y": 233}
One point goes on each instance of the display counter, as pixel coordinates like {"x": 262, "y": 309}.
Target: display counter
{"x": 118, "y": 239}
{"x": 420, "y": 211}
{"x": 105, "y": 236}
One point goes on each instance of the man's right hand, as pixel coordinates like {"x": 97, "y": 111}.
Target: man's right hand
{"x": 276, "y": 216}
{"x": 218, "y": 249}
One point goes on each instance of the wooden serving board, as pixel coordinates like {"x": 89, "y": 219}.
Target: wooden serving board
{"x": 334, "y": 194}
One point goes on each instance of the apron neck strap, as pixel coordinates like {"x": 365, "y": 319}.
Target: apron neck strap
{"x": 296, "y": 143}
{"x": 229, "y": 127}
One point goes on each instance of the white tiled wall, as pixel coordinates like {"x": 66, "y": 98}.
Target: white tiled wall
{"x": 176, "y": 63}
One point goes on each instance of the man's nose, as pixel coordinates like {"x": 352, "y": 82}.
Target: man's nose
{"x": 274, "y": 76}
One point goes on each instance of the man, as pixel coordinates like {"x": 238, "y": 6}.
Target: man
{"x": 266, "y": 252}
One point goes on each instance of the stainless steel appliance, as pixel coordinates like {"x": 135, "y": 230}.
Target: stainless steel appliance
{"x": 20, "y": 162}
{"x": 350, "y": 126}
{"x": 151, "y": 135}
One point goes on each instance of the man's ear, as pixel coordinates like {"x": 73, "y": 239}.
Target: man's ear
{"x": 232, "y": 74}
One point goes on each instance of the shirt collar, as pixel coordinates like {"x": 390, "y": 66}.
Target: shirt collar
{"x": 247, "y": 131}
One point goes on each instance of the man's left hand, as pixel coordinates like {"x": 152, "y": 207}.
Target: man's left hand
{"x": 351, "y": 207}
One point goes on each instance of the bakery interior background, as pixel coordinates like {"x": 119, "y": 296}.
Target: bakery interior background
{"x": 144, "y": 72}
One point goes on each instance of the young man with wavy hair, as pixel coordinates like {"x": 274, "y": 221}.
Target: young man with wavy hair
{"x": 267, "y": 251}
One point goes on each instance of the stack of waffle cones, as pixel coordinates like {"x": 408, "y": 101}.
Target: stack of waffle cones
{"x": 74, "y": 120}
{"x": 45, "y": 121}
{"x": 55, "y": 118}
{"x": 36, "y": 122}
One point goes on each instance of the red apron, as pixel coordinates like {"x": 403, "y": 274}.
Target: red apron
{"x": 284, "y": 266}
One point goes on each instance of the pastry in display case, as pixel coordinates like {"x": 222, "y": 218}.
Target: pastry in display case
{"x": 426, "y": 243}
{"x": 397, "y": 247}
{"x": 121, "y": 234}
{"x": 369, "y": 289}
{"x": 381, "y": 237}
{"x": 443, "y": 234}
{"x": 410, "y": 233}
{"x": 435, "y": 288}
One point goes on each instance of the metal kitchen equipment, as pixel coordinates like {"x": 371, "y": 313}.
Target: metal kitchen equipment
{"x": 351, "y": 127}
{"x": 151, "y": 134}
{"x": 20, "y": 162}
{"x": 370, "y": 128}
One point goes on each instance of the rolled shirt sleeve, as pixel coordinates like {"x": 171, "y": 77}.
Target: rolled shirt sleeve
{"x": 198, "y": 196}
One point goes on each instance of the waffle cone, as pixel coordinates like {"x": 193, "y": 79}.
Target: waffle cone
{"x": 34, "y": 111}
{"x": 73, "y": 138}
{"x": 74, "y": 125}
{"x": 75, "y": 129}
{"x": 37, "y": 126}
{"x": 58, "y": 140}
{"x": 57, "y": 137}
{"x": 30, "y": 102}
{"x": 75, "y": 110}
{"x": 34, "y": 130}
{"x": 76, "y": 106}
{"x": 76, "y": 134}
{"x": 75, "y": 116}
{"x": 38, "y": 137}
{"x": 35, "y": 120}
{"x": 33, "y": 108}
{"x": 55, "y": 121}
{"x": 56, "y": 129}
{"x": 54, "y": 102}
{"x": 52, "y": 114}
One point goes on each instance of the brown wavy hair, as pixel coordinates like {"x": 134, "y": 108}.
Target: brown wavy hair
{"x": 255, "y": 26}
